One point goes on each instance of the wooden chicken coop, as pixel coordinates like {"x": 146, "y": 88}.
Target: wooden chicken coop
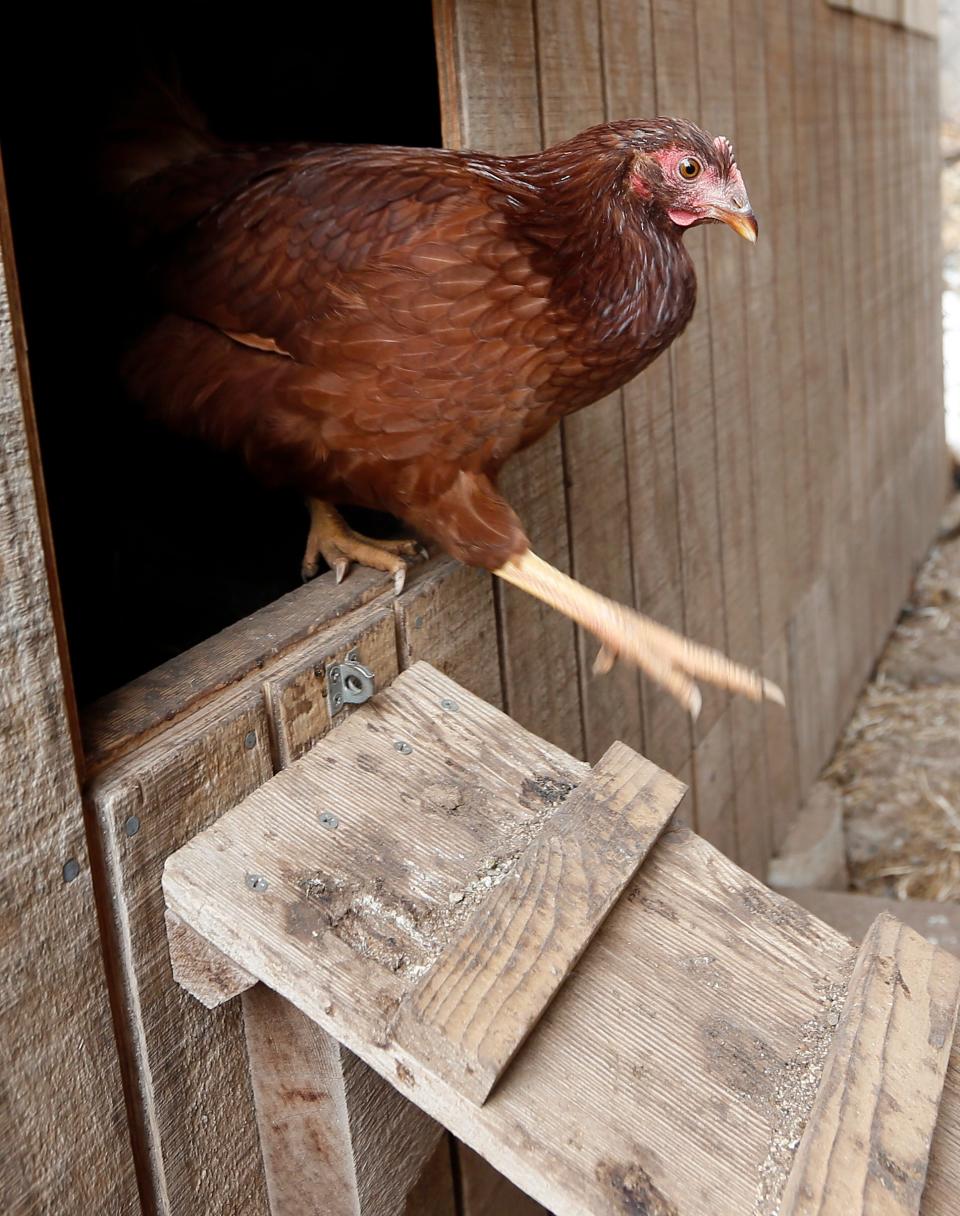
{"x": 667, "y": 1036}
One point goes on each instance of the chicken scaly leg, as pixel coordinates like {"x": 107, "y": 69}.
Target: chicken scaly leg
{"x": 667, "y": 657}
{"x": 338, "y": 545}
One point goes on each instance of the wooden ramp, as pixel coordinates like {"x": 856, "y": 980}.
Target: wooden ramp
{"x": 596, "y": 1000}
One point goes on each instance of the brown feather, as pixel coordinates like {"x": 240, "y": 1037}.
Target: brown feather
{"x": 387, "y": 326}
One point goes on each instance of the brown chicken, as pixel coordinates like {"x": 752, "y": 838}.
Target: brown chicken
{"x": 385, "y": 327}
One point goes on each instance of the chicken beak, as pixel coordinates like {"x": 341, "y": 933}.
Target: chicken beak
{"x": 742, "y": 221}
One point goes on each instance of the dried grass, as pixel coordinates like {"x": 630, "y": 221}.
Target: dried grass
{"x": 898, "y": 764}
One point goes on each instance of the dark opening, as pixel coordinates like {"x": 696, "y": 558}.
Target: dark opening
{"x": 160, "y": 541}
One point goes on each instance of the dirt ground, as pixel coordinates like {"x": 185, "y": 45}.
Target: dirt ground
{"x": 898, "y": 764}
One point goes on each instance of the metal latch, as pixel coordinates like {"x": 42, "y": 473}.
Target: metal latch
{"x": 348, "y": 683}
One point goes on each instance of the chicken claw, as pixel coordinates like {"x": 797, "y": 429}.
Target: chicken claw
{"x": 672, "y": 660}
{"x": 339, "y": 546}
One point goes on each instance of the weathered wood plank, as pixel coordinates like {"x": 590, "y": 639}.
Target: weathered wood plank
{"x": 571, "y": 74}
{"x": 382, "y": 1177}
{"x": 867, "y": 1141}
{"x": 296, "y": 689}
{"x": 629, "y": 80}
{"x": 335, "y": 1136}
{"x": 493, "y": 103}
{"x": 66, "y": 1146}
{"x": 447, "y": 617}
{"x": 470, "y": 1013}
{"x": 658, "y": 1023}
{"x": 675, "y": 64}
{"x": 729, "y": 363}
{"x": 128, "y": 717}
{"x": 198, "y": 1155}
{"x": 209, "y": 976}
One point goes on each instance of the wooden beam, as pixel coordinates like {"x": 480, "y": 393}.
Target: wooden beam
{"x": 335, "y": 1137}
{"x": 66, "y": 1146}
{"x": 209, "y": 976}
{"x": 473, "y": 1009}
{"x": 867, "y": 1140}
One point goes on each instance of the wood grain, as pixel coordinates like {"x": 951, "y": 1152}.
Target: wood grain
{"x": 650, "y": 439}
{"x": 470, "y": 1013}
{"x": 571, "y": 76}
{"x": 66, "y": 1147}
{"x": 675, "y": 63}
{"x": 867, "y": 1141}
{"x": 175, "y": 784}
{"x": 385, "y": 1140}
{"x": 336, "y": 1138}
{"x": 657, "y": 1028}
{"x": 198, "y": 1153}
{"x": 209, "y": 976}
{"x": 128, "y": 717}
{"x": 447, "y": 617}
{"x": 296, "y": 688}
{"x": 494, "y": 103}
{"x": 733, "y": 406}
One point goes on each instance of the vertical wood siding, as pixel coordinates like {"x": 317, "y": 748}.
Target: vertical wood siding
{"x": 770, "y": 485}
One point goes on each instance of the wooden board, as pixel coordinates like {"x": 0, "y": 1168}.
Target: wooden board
{"x": 66, "y": 1147}
{"x": 694, "y": 420}
{"x": 571, "y": 75}
{"x": 128, "y": 717}
{"x": 649, "y": 435}
{"x": 475, "y": 901}
{"x": 447, "y": 616}
{"x": 491, "y": 101}
{"x": 385, "y": 1143}
{"x": 733, "y": 406}
{"x": 467, "y": 1017}
{"x": 657, "y": 1028}
{"x": 172, "y": 786}
{"x": 867, "y": 1141}
{"x": 198, "y": 1149}
{"x": 333, "y": 1132}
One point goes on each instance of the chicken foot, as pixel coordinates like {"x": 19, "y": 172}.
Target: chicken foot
{"x": 331, "y": 538}
{"x": 667, "y": 657}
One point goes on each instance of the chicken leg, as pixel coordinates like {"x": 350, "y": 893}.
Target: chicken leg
{"x": 330, "y": 538}
{"x": 673, "y": 661}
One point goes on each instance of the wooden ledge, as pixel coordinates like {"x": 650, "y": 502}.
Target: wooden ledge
{"x": 430, "y": 866}
{"x": 867, "y": 1141}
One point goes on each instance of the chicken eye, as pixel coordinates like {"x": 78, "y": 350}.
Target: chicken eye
{"x": 689, "y": 168}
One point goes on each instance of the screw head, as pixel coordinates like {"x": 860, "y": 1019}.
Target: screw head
{"x": 338, "y": 700}
{"x": 335, "y": 675}
{"x": 353, "y": 656}
{"x": 403, "y": 747}
{"x": 71, "y": 870}
{"x": 256, "y": 882}
{"x": 449, "y": 705}
{"x": 329, "y": 821}
{"x": 132, "y": 825}
{"x": 250, "y": 740}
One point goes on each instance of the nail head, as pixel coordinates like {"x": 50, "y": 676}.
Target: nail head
{"x": 132, "y": 825}
{"x": 71, "y": 869}
{"x": 250, "y": 739}
{"x": 256, "y": 882}
{"x": 449, "y": 705}
{"x": 403, "y": 747}
{"x": 329, "y": 821}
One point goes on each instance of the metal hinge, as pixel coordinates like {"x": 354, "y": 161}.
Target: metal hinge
{"x": 348, "y": 683}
